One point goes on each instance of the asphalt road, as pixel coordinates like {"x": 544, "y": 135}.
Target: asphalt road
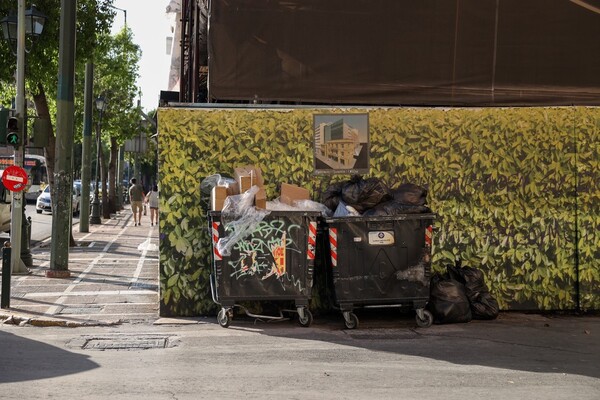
{"x": 41, "y": 224}
{"x": 524, "y": 357}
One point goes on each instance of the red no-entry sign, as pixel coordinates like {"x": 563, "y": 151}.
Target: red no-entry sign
{"x": 14, "y": 178}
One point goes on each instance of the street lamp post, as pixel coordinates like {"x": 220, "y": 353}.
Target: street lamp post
{"x": 33, "y": 27}
{"x": 15, "y": 28}
{"x": 95, "y": 217}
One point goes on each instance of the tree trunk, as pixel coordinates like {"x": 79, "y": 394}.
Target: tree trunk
{"x": 41, "y": 105}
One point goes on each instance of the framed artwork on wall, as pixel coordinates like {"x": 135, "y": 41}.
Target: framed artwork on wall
{"x": 341, "y": 144}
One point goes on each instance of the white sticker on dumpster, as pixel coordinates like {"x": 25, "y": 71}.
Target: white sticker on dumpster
{"x": 381, "y": 237}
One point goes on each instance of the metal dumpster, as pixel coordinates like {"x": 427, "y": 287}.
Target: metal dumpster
{"x": 274, "y": 262}
{"x": 381, "y": 262}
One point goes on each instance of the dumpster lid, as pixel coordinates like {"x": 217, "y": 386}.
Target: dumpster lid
{"x": 398, "y": 217}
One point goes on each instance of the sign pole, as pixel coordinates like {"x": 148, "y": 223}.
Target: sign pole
{"x": 17, "y": 266}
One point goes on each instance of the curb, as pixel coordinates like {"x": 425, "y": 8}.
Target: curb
{"x": 20, "y": 320}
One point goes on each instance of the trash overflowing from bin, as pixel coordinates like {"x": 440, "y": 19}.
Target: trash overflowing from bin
{"x": 372, "y": 197}
{"x": 379, "y": 253}
{"x": 259, "y": 254}
{"x": 380, "y": 247}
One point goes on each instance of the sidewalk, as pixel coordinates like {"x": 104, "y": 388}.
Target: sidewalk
{"x": 114, "y": 279}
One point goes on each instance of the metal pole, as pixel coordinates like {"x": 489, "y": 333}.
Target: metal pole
{"x": 5, "y": 301}
{"x": 95, "y": 217}
{"x": 26, "y": 256}
{"x": 120, "y": 188}
{"x": 16, "y": 264}
{"x": 63, "y": 172}
{"x": 87, "y": 146}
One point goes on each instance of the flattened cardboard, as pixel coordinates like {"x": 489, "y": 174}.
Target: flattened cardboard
{"x": 217, "y": 198}
{"x": 233, "y": 188}
{"x": 244, "y": 183}
{"x": 260, "y": 199}
{"x": 247, "y": 176}
{"x": 292, "y": 193}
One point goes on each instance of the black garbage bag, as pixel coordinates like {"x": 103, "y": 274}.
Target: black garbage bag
{"x": 410, "y": 194}
{"x": 394, "y": 207}
{"x": 483, "y": 304}
{"x": 485, "y": 307}
{"x": 447, "y": 301}
{"x": 363, "y": 194}
{"x": 332, "y": 195}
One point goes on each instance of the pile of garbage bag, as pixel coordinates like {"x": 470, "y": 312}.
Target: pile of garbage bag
{"x": 460, "y": 295}
{"x": 372, "y": 197}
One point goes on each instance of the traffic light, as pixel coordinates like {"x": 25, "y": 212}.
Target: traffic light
{"x": 12, "y": 132}
{"x": 3, "y": 122}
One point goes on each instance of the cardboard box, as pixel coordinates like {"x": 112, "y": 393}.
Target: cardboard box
{"x": 233, "y": 189}
{"x": 260, "y": 199}
{"x": 217, "y": 198}
{"x": 292, "y": 193}
{"x": 248, "y": 176}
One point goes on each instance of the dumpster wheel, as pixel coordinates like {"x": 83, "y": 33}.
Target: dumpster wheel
{"x": 350, "y": 320}
{"x": 224, "y": 317}
{"x": 305, "y": 317}
{"x": 425, "y": 320}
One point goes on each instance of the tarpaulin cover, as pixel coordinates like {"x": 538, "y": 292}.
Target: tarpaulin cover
{"x": 401, "y": 52}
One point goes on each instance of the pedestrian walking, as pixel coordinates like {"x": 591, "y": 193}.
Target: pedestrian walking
{"x": 152, "y": 200}
{"x": 136, "y": 196}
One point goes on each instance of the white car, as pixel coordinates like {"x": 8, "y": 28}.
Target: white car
{"x": 44, "y": 203}
{"x": 77, "y": 184}
{"x": 5, "y": 204}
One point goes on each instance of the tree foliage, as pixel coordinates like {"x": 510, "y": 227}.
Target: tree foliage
{"x": 94, "y": 17}
{"x": 116, "y": 71}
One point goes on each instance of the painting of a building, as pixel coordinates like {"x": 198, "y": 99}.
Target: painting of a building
{"x": 341, "y": 143}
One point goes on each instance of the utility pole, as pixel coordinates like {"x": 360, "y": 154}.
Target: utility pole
{"x": 84, "y": 217}
{"x": 16, "y": 264}
{"x": 63, "y": 170}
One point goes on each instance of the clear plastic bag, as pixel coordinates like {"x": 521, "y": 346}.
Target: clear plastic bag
{"x": 211, "y": 181}
{"x": 240, "y": 218}
{"x": 276, "y": 205}
{"x": 299, "y": 205}
{"x": 207, "y": 185}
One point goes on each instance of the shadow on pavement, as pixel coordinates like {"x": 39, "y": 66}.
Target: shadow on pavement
{"x": 516, "y": 342}
{"x": 50, "y": 361}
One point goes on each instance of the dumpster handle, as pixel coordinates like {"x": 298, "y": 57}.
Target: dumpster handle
{"x": 212, "y": 289}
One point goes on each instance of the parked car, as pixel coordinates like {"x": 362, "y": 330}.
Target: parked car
{"x": 5, "y": 205}
{"x": 44, "y": 203}
{"x": 77, "y": 184}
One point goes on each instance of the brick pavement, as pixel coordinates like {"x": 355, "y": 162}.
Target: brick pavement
{"x": 114, "y": 279}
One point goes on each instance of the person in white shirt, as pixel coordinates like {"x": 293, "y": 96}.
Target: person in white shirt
{"x": 152, "y": 200}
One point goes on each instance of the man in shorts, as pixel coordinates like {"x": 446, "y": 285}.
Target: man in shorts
{"x": 136, "y": 196}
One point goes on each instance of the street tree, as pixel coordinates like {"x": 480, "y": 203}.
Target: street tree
{"x": 116, "y": 60}
{"x": 94, "y": 17}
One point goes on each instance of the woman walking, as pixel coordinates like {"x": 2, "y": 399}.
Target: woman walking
{"x": 152, "y": 200}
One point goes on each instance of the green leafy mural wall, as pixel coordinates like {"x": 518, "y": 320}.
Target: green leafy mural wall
{"x": 516, "y": 190}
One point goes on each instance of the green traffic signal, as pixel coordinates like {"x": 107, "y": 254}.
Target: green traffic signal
{"x": 12, "y": 139}
{"x": 12, "y": 129}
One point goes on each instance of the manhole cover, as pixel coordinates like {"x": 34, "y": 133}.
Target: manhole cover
{"x": 126, "y": 343}
{"x": 80, "y": 310}
{"x": 123, "y": 342}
